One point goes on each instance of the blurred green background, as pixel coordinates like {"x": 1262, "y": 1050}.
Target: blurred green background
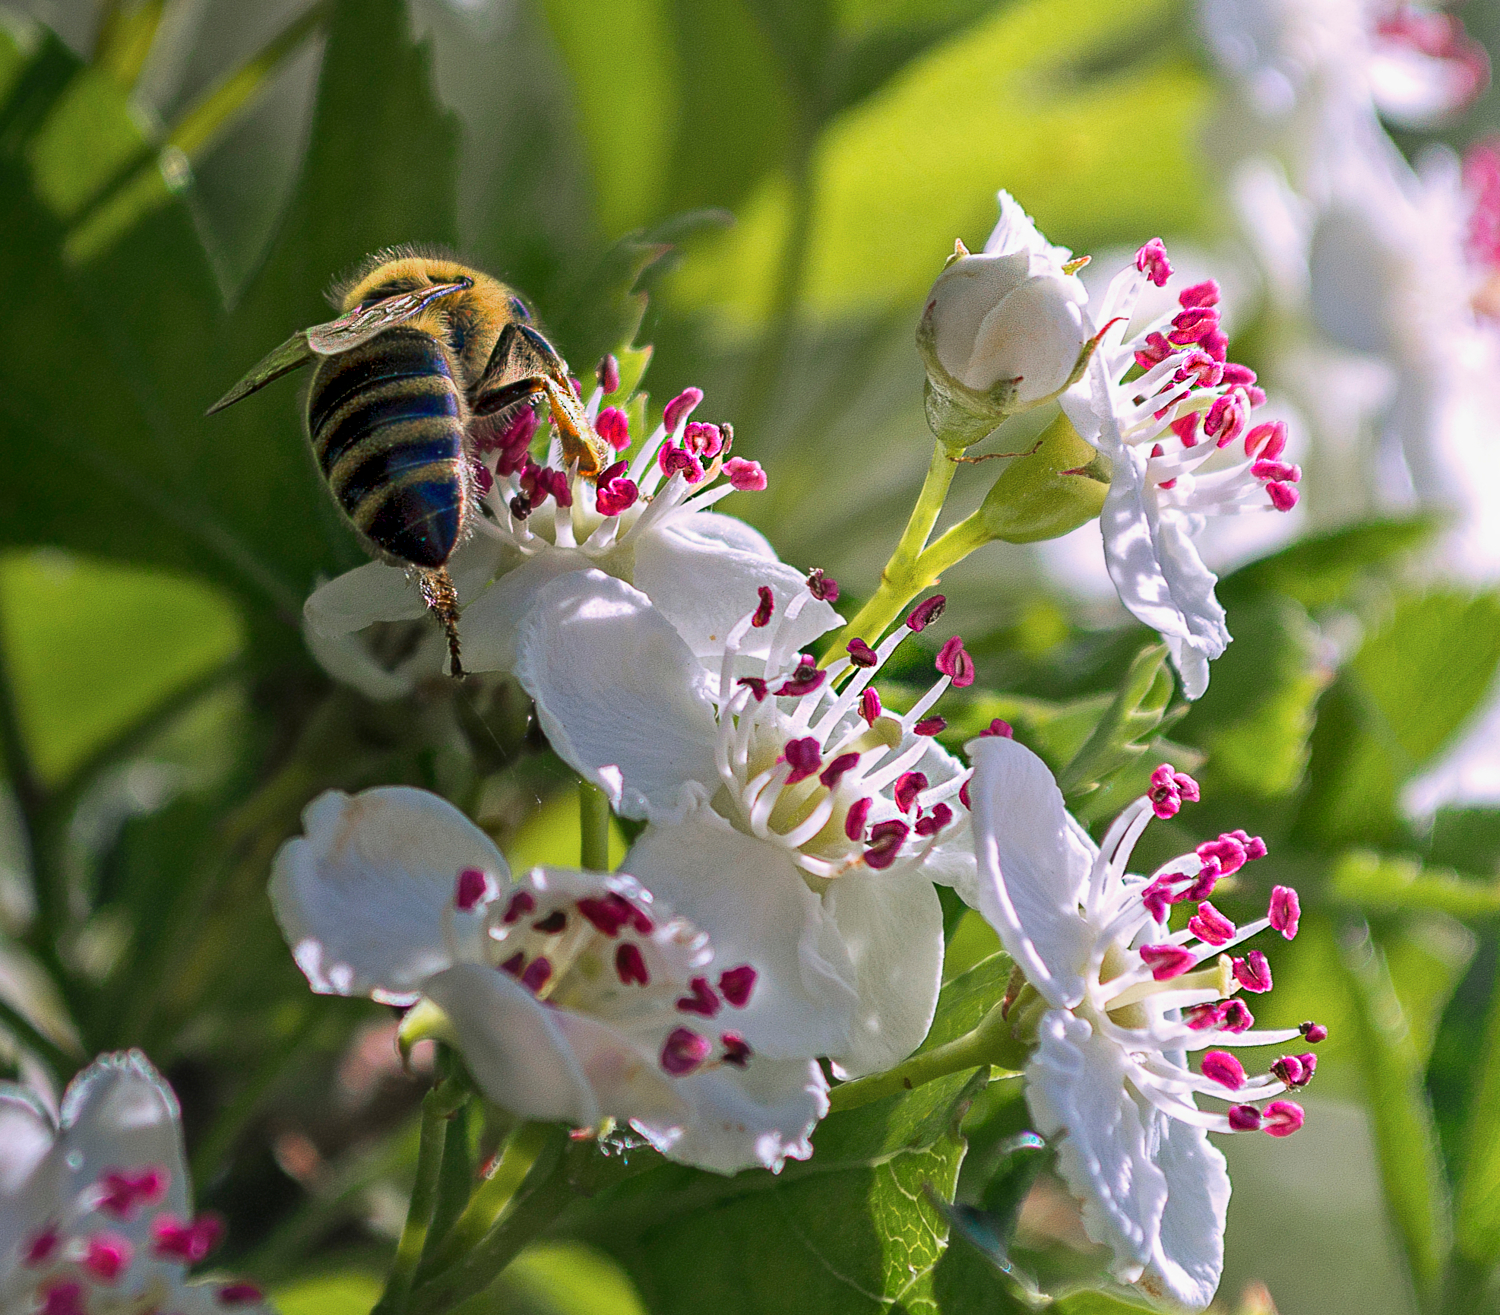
{"x": 181, "y": 181}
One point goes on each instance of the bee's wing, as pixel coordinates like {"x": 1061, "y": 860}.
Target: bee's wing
{"x": 291, "y": 355}
{"x": 359, "y": 326}
{"x": 340, "y": 335}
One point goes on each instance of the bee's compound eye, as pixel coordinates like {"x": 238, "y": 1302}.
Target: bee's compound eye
{"x": 518, "y": 309}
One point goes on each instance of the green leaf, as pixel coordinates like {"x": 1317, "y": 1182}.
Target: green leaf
{"x": 1410, "y": 1164}
{"x": 1325, "y": 568}
{"x": 1387, "y": 716}
{"x": 567, "y": 1279}
{"x": 86, "y": 139}
{"x": 859, "y": 1240}
{"x": 1467, "y": 839}
{"x": 1375, "y": 882}
{"x": 1090, "y": 1301}
{"x": 1258, "y": 712}
{"x": 1054, "y": 731}
{"x": 1427, "y": 668}
{"x": 901, "y": 174}
{"x": 852, "y": 1230}
{"x": 1133, "y": 719}
{"x": 1477, "y": 1219}
{"x": 628, "y": 84}
{"x": 350, "y": 1293}
{"x": 128, "y": 637}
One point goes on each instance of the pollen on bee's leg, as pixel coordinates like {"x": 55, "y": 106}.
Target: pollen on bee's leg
{"x": 440, "y": 595}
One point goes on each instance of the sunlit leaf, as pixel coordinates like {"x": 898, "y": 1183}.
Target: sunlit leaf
{"x": 568, "y": 1279}
{"x": 332, "y": 1294}
{"x": 1374, "y": 881}
{"x": 128, "y": 637}
{"x": 904, "y": 173}
{"x": 1137, "y": 715}
{"x": 1323, "y": 568}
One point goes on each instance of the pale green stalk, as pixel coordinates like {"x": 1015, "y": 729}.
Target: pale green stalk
{"x": 438, "y": 1105}
{"x": 990, "y": 1043}
{"x": 906, "y": 574}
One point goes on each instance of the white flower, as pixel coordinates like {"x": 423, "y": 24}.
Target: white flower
{"x": 95, "y": 1210}
{"x": 1109, "y": 1081}
{"x": 1165, "y": 407}
{"x": 792, "y": 816}
{"x": 1010, "y": 314}
{"x": 648, "y": 522}
{"x": 572, "y": 995}
{"x": 1300, "y": 60}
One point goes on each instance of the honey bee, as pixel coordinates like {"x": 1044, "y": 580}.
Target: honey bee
{"x": 428, "y": 358}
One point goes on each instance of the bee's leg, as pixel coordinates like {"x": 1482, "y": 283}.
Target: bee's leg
{"x": 520, "y": 355}
{"x": 572, "y": 425}
{"x": 440, "y": 595}
{"x": 523, "y": 363}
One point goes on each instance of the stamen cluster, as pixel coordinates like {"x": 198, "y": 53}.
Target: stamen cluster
{"x": 810, "y": 759}
{"x": 513, "y": 484}
{"x": 608, "y": 954}
{"x": 1190, "y": 401}
{"x": 86, "y": 1257}
{"x": 1192, "y": 1007}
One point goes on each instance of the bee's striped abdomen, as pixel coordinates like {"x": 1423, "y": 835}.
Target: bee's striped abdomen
{"x": 386, "y": 423}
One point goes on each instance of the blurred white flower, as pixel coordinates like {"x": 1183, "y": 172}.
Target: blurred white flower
{"x": 1122, "y": 1001}
{"x": 1169, "y": 434}
{"x": 95, "y": 1208}
{"x": 647, "y": 521}
{"x": 792, "y": 816}
{"x": 1011, "y": 314}
{"x": 572, "y": 995}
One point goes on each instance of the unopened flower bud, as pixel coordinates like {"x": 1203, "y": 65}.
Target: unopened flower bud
{"x": 1002, "y": 331}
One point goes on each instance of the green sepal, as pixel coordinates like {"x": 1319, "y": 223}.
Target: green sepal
{"x": 424, "y": 1021}
{"x": 960, "y": 416}
{"x": 1050, "y": 491}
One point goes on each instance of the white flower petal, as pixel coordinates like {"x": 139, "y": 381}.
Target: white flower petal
{"x": 361, "y": 897}
{"x": 490, "y": 626}
{"x": 1033, "y": 866}
{"x": 512, "y": 1045}
{"x": 616, "y": 688}
{"x": 347, "y": 658}
{"x": 758, "y": 1117}
{"x": 26, "y": 1135}
{"x": 1075, "y": 1087}
{"x": 1016, "y": 231}
{"x": 1153, "y": 562}
{"x": 1189, "y": 1257}
{"x": 964, "y": 293}
{"x": 892, "y": 927}
{"x": 757, "y": 909}
{"x": 702, "y": 571}
{"x": 359, "y": 598}
{"x": 1034, "y": 335}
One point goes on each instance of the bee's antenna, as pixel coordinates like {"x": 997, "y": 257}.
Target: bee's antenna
{"x": 440, "y": 595}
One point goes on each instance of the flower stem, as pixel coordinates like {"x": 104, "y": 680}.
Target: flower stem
{"x": 952, "y": 547}
{"x": 990, "y": 1042}
{"x": 593, "y": 827}
{"x": 904, "y": 576}
{"x": 544, "y": 1194}
{"x": 438, "y": 1105}
{"x": 496, "y": 1192}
